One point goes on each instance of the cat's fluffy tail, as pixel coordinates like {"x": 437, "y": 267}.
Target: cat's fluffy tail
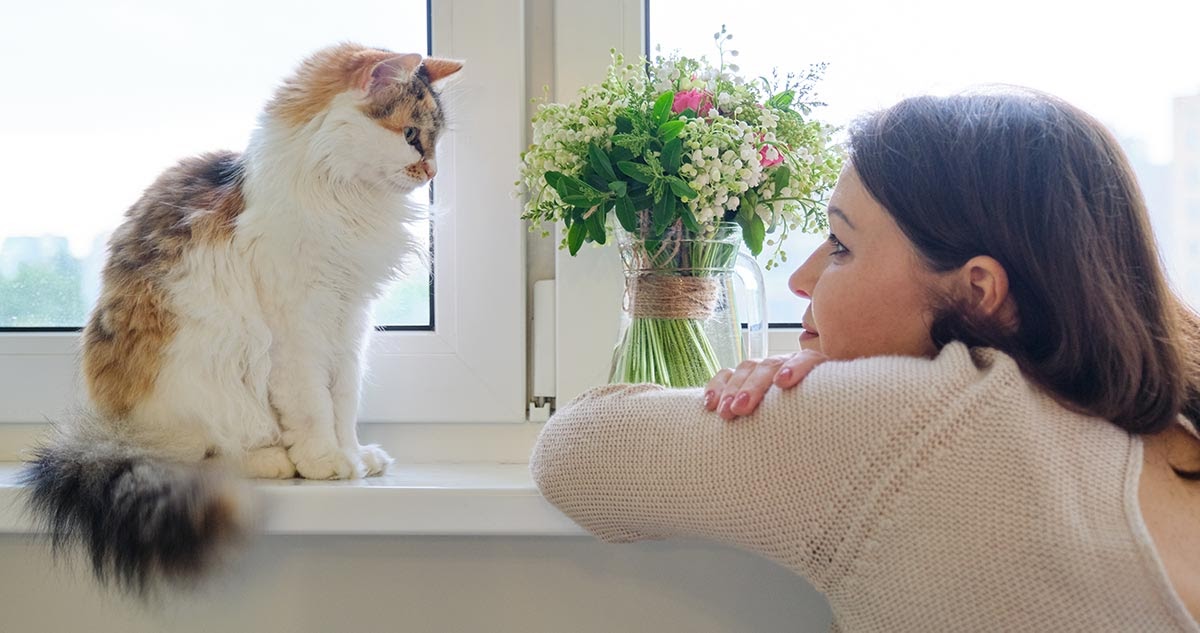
{"x": 141, "y": 519}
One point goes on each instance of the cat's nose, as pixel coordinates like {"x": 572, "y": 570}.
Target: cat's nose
{"x": 430, "y": 168}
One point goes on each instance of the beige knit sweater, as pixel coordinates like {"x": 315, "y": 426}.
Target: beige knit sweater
{"x": 917, "y": 495}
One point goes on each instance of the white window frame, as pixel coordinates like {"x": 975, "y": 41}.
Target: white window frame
{"x": 589, "y": 285}
{"x": 471, "y": 367}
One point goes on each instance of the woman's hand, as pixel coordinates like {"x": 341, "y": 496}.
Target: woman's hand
{"x": 734, "y": 393}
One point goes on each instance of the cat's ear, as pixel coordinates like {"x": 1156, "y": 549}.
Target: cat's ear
{"x": 436, "y": 70}
{"x": 391, "y": 70}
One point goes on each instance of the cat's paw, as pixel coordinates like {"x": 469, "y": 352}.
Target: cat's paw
{"x": 375, "y": 460}
{"x": 271, "y": 462}
{"x": 315, "y": 461}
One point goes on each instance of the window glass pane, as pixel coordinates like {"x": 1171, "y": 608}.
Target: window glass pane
{"x": 99, "y": 98}
{"x": 1129, "y": 65}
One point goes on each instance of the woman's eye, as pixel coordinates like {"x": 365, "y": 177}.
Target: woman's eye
{"x": 838, "y": 247}
{"x": 410, "y": 134}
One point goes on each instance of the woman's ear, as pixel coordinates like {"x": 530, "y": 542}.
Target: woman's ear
{"x": 987, "y": 289}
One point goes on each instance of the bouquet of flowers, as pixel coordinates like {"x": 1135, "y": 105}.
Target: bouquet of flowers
{"x": 679, "y": 149}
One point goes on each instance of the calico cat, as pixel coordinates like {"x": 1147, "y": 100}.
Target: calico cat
{"x": 230, "y": 330}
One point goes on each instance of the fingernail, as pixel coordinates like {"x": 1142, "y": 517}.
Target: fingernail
{"x": 741, "y": 400}
{"x": 708, "y": 399}
{"x": 725, "y": 403}
{"x": 785, "y": 373}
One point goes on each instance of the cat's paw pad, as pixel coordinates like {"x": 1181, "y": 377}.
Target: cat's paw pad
{"x": 375, "y": 460}
{"x": 271, "y": 462}
{"x": 314, "y": 463}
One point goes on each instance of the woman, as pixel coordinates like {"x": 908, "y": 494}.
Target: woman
{"x": 998, "y": 438}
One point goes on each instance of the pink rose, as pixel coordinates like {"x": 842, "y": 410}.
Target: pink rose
{"x": 765, "y": 153}
{"x": 692, "y": 100}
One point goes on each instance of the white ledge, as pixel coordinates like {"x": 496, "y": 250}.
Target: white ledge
{"x": 458, "y": 499}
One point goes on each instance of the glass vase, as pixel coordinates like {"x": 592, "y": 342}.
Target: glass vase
{"x": 693, "y": 304}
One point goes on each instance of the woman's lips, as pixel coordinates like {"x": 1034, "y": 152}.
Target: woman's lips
{"x": 808, "y": 334}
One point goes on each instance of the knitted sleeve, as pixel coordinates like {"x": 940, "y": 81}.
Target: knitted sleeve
{"x": 801, "y": 481}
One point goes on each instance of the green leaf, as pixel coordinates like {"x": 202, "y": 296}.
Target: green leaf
{"x": 753, "y": 233}
{"x": 571, "y": 184}
{"x": 637, "y": 171}
{"x": 688, "y": 114}
{"x": 746, "y": 208}
{"x": 574, "y": 191}
{"x": 598, "y": 182}
{"x": 671, "y": 129}
{"x": 781, "y": 176}
{"x": 672, "y": 155}
{"x": 662, "y": 107}
{"x": 619, "y": 154}
{"x": 682, "y": 189}
{"x": 619, "y": 188}
{"x": 641, "y": 200}
{"x": 689, "y": 219}
{"x": 575, "y": 237}
{"x": 553, "y": 178}
{"x": 664, "y": 213}
{"x": 595, "y": 225}
{"x": 599, "y": 162}
{"x": 624, "y": 124}
{"x": 783, "y": 100}
{"x": 626, "y": 214}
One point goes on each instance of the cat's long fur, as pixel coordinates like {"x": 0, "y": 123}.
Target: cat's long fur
{"x": 235, "y": 306}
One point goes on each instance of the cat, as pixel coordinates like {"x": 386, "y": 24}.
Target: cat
{"x": 230, "y": 329}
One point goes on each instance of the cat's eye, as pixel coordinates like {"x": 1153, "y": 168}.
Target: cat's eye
{"x": 410, "y": 134}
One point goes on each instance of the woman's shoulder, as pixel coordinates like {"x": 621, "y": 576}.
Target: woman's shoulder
{"x": 975, "y": 398}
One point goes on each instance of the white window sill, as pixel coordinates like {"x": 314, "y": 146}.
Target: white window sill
{"x": 437, "y": 499}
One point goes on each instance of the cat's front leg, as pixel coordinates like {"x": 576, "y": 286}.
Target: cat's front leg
{"x": 345, "y": 391}
{"x": 300, "y": 393}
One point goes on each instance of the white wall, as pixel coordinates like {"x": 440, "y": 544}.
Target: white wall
{"x": 321, "y": 584}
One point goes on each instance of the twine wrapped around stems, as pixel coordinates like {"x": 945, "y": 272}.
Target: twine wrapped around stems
{"x": 659, "y": 296}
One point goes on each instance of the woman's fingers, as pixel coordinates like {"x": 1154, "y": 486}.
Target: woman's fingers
{"x": 716, "y": 387}
{"x": 732, "y": 393}
{"x": 797, "y": 367}
{"x": 738, "y": 388}
{"x": 757, "y": 382}
{"x": 733, "y": 387}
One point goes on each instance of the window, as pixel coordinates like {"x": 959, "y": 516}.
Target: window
{"x": 115, "y": 101}
{"x": 117, "y": 93}
{"x": 1126, "y": 65}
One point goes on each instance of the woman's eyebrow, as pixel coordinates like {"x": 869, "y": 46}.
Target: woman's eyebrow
{"x": 841, "y": 214}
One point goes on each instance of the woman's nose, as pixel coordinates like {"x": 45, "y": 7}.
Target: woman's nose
{"x": 805, "y": 277}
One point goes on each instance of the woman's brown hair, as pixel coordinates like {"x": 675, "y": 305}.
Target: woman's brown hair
{"x": 1043, "y": 188}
